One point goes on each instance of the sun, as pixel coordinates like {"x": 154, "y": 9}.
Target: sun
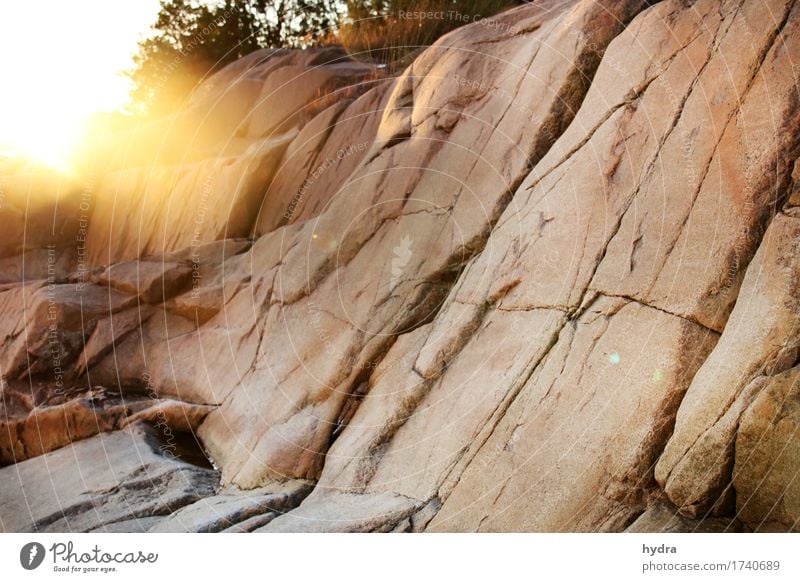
{"x": 62, "y": 62}
{"x": 49, "y": 138}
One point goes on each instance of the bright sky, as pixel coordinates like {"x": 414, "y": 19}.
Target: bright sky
{"x": 59, "y": 62}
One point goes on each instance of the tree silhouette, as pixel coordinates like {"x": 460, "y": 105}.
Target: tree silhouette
{"x": 191, "y": 40}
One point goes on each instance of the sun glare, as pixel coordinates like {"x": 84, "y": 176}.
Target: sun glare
{"x": 61, "y": 62}
{"x": 50, "y": 139}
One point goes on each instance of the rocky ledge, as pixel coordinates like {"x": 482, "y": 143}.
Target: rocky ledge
{"x": 546, "y": 279}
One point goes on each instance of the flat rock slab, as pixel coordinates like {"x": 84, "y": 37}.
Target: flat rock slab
{"x": 228, "y": 509}
{"x": 96, "y": 483}
{"x": 346, "y": 512}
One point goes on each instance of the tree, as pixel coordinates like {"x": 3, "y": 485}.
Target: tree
{"x": 191, "y": 40}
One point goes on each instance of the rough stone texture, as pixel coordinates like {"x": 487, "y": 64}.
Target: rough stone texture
{"x": 662, "y": 517}
{"x": 128, "y": 367}
{"x": 69, "y": 418}
{"x": 294, "y": 88}
{"x": 220, "y": 112}
{"x": 578, "y": 439}
{"x": 36, "y": 264}
{"x": 765, "y": 473}
{"x": 152, "y": 282}
{"x": 122, "y": 475}
{"x": 504, "y": 424}
{"x": 153, "y": 210}
{"x": 224, "y": 511}
{"x": 317, "y": 166}
{"x": 346, "y": 513}
{"x": 309, "y": 280}
{"x": 201, "y": 174}
{"x": 545, "y": 279}
{"x": 108, "y": 332}
{"x": 760, "y": 339}
{"x": 43, "y": 326}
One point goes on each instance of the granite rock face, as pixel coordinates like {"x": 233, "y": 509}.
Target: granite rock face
{"x": 545, "y": 279}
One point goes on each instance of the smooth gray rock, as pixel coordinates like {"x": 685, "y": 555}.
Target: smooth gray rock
{"x": 228, "y": 509}
{"x": 96, "y": 483}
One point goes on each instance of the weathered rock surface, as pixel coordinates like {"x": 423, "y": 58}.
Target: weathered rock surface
{"x": 44, "y": 325}
{"x": 201, "y": 175}
{"x": 543, "y": 280}
{"x": 420, "y": 227}
{"x": 767, "y": 457}
{"x": 229, "y": 510}
{"x": 123, "y": 476}
{"x": 554, "y": 288}
{"x": 760, "y": 340}
{"x": 108, "y": 333}
{"x": 152, "y": 282}
{"x": 72, "y": 417}
{"x": 36, "y": 264}
{"x": 664, "y": 518}
{"x": 164, "y": 208}
{"x": 317, "y": 166}
{"x": 343, "y": 512}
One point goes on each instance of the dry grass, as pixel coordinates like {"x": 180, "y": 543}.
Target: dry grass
{"x": 404, "y": 27}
